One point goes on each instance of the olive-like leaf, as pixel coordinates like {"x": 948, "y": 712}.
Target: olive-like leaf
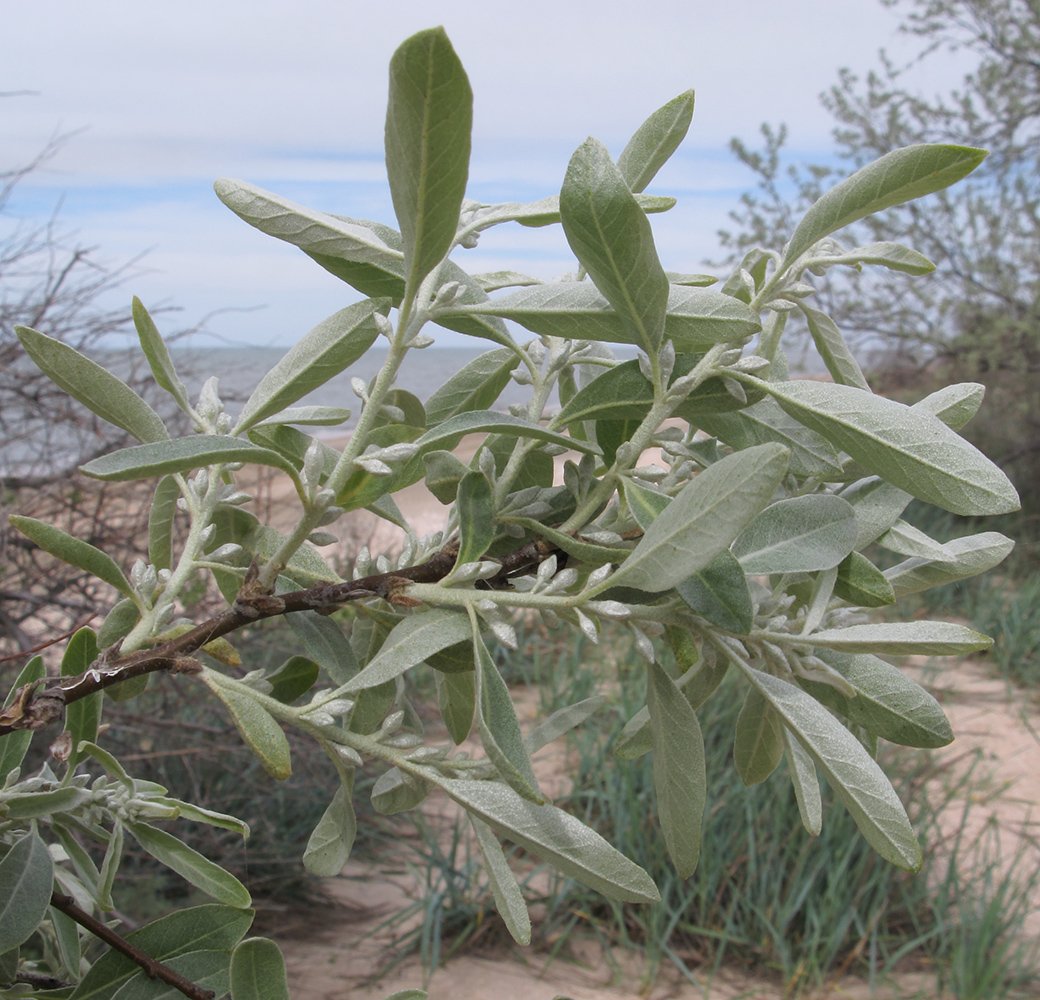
{"x": 83, "y": 716}
{"x": 73, "y": 551}
{"x": 798, "y": 535}
{"x": 719, "y": 592}
{"x": 293, "y": 679}
{"x": 968, "y": 556}
{"x": 611, "y": 237}
{"x": 475, "y": 386}
{"x": 429, "y": 117}
{"x": 832, "y": 348}
{"x": 257, "y": 727}
{"x": 161, "y": 515}
{"x": 456, "y": 699}
{"x": 330, "y": 843}
{"x": 805, "y": 783}
{"x": 508, "y": 898}
{"x": 655, "y": 141}
{"x": 923, "y": 637}
{"x": 26, "y": 877}
{"x": 158, "y": 355}
{"x": 899, "y": 176}
{"x": 759, "y": 743}
{"x": 476, "y": 517}
{"x": 861, "y": 583}
{"x": 894, "y": 256}
{"x": 258, "y": 971}
{"x": 324, "y": 642}
{"x": 90, "y": 384}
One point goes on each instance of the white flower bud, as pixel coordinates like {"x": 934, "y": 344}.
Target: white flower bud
{"x": 201, "y": 482}
{"x": 348, "y": 755}
{"x": 383, "y": 564}
{"x": 518, "y": 409}
{"x": 207, "y": 533}
{"x": 547, "y": 570}
{"x": 383, "y": 325}
{"x": 504, "y": 633}
{"x": 610, "y": 609}
{"x": 646, "y": 368}
{"x": 222, "y": 553}
{"x": 588, "y": 627}
{"x": 397, "y": 452}
{"x": 223, "y": 423}
{"x": 363, "y": 563}
{"x": 598, "y": 575}
{"x": 735, "y": 389}
{"x": 210, "y": 403}
{"x": 521, "y": 375}
{"x": 392, "y": 723}
{"x": 644, "y": 646}
{"x": 731, "y": 357}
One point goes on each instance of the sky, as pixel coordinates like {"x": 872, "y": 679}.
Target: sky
{"x": 161, "y": 99}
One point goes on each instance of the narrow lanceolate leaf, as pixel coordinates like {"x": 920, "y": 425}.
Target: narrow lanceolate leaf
{"x": 546, "y": 211}
{"x": 861, "y": 583}
{"x": 799, "y": 535}
{"x": 811, "y": 453}
{"x": 832, "y": 348}
{"x": 82, "y": 717}
{"x": 561, "y": 722}
{"x": 924, "y": 637}
{"x": 509, "y": 900}
{"x": 643, "y": 503}
{"x": 886, "y": 703}
{"x": 719, "y": 592}
{"x": 328, "y": 848}
{"x": 328, "y": 349}
{"x": 907, "y": 540}
{"x": 894, "y": 256}
{"x": 73, "y": 551}
{"x": 324, "y": 642}
{"x": 26, "y": 875}
{"x": 14, "y": 746}
{"x": 849, "y": 769}
{"x": 395, "y": 792}
{"x": 912, "y": 449}
{"x": 655, "y": 141}
{"x": 805, "y": 783}
{"x": 293, "y": 679}
{"x": 968, "y": 556}
{"x": 557, "y": 837}
{"x": 206, "y": 970}
{"x": 189, "y": 864}
{"x": 315, "y": 416}
{"x": 679, "y": 771}
{"x": 160, "y": 522}
{"x": 499, "y": 727}
{"x": 210, "y": 927}
{"x": 611, "y": 237}
{"x": 878, "y": 505}
{"x": 475, "y": 386}
{"x": 759, "y": 743}
{"x": 410, "y": 643}
{"x": 899, "y": 176}
{"x": 429, "y": 117}
{"x": 476, "y": 510}
{"x": 588, "y": 552}
{"x": 159, "y": 360}
{"x": 97, "y": 389}
{"x": 146, "y": 461}
{"x": 954, "y": 404}
{"x": 258, "y": 971}
{"x": 695, "y": 318}
{"x": 703, "y": 519}
{"x": 257, "y": 727}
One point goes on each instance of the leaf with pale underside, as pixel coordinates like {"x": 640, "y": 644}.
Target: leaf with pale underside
{"x": 719, "y": 592}
{"x": 158, "y": 355}
{"x": 897, "y": 177}
{"x": 509, "y": 900}
{"x": 429, "y": 117}
{"x": 798, "y": 535}
{"x": 611, "y": 237}
{"x": 861, "y": 583}
{"x": 26, "y": 876}
{"x": 257, "y": 727}
{"x": 475, "y": 386}
{"x": 258, "y": 971}
{"x": 832, "y": 348}
{"x": 97, "y": 389}
{"x": 703, "y": 519}
{"x": 954, "y": 404}
{"x": 655, "y": 141}
{"x": 894, "y": 256}
{"x": 849, "y": 769}
{"x": 475, "y": 509}
{"x": 555, "y": 836}
{"x": 910, "y": 448}
{"x": 328, "y": 847}
{"x": 968, "y": 556}
{"x": 903, "y": 638}
{"x": 680, "y": 781}
{"x": 806, "y": 784}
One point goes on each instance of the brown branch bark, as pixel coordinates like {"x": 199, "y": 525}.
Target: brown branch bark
{"x": 154, "y": 969}
{"x": 38, "y": 704}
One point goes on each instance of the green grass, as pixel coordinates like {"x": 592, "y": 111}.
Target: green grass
{"x": 767, "y": 897}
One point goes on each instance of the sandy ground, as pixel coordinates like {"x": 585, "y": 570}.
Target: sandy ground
{"x": 330, "y": 957}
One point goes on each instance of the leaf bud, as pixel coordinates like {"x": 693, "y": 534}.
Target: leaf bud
{"x": 210, "y": 403}
{"x": 644, "y": 646}
{"x": 610, "y": 609}
{"x": 587, "y": 626}
{"x": 421, "y": 341}
{"x": 383, "y": 325}
{"x": 223, "y": 423}
{"x": 735, "y": 389}
{"x": 392, "y": 723}
{"x": 446, "y": 295}
{"x": 207, "y": 533}
{"x": 547, "y": 570}
{"x": 201, "y": 482}
{"x": 598, "y": 575}
{"x": 360, "y": 388}
{"x": 362, "y": 563}
{"x": 348, "y": 755}
{"x": 752, "y": 363}
{"x": 321, "y": 538}
{"x": 731, "y": 357}
{"x": 373, "y": 466}
{"x": 504, "y": 633}
{"x": 522, "y": 376}
{"x": 313, "y": 465}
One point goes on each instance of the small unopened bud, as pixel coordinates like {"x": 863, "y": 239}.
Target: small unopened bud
{"x": 321, "y": 538}
{"x": 360, "y": 388}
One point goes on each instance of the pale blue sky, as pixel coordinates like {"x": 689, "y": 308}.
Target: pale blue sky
{"x": 291, "y": 96}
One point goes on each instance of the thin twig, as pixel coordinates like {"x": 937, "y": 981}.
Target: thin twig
{"x": 50, "y": 642}
{"x": 154, "y": 969}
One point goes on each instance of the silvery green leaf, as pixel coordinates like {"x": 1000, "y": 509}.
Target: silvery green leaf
{"x": 590, "y": 553}
{"x": 680, "y": 780}
{"x": 206, "y": 970}
{"x": 562, "y": 722}
{"x": 499, "y": 728}
{"x": 395, "y": 792}
{"x": 696, "y": 318}
{"x": 861, "y": 583}
{"x": 448, "y": 434}
{"x": 185, "y": 931}
{"x": 955, "y": 404}
{"x": 912, "y": 449}
{"x": 110, "y": 866}
{"x": 759, "y": 744}
{"x": 906, "y": 540}
{"x": 703, "y": 519}
{"x": 546, "y": 211}
{"x": 161, "y": 516}
{"x": 26, "y": 878}
{"x": 330, "y": 843}
{"x": 429, "y": 116}
{"x": 968, "y": 556}
{"x": 146, "y": 461}
{"x": 476, "y": 514}
{"x": 899, "y": 176}
{"x": 475, "y": 386}
{"x": 73, "y": 551}
{"x": 30, "y": 805}
{"x": 90, "y": 384}
{"x": 655, "y": 141}
{"x": 922, "y": 637}
{"x": 692, "y": 280}
{"x": 894, "y": 256}
{"x": 557, "y": 837}
{"x": 494, "y": 280}
{"x": 320, "y": 416}
{"x": 15, "y": 745}
{"x": 849, "y": 769}
{"x": 189, "y": 864}
{"x": 257, "y": 727}
{"x": 611, "y": 237}
{"x": 799, "y": 535}
{"x": 643, "y": 503}
{"x": 509, "y": 900}
{"x": 832, "y": 348}
{"x": 719, "y": 592}
{"x": 409, "y": 643}
{"x": 886, "y": 702}
{"x": 806, "y": 784}
{"x": 83, "y": 716}
{"x": 159, "y": 360}
{"x": 258, "y": 971}
{"x": 877, "y": 504}
{"x": 456, "y": 699}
